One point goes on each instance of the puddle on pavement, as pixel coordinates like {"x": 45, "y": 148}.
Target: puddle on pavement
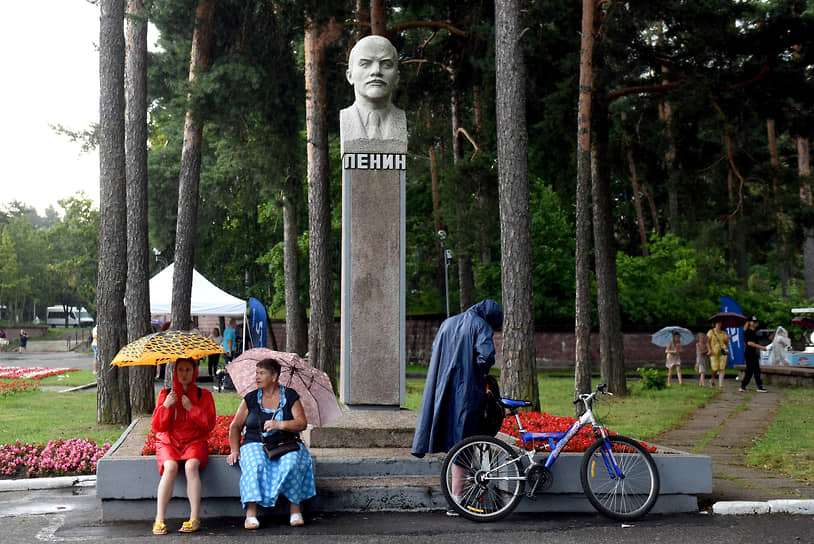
{"x": 37, "y": 509}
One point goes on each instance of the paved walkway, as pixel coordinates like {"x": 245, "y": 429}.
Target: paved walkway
{"x": 724, "y": 429}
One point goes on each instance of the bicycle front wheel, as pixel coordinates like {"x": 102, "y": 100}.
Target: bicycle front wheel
{"x": 481, "y": 478}
{"x": 620, "y": 478}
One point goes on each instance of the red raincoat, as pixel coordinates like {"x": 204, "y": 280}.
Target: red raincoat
{"x": 182, "y": 434}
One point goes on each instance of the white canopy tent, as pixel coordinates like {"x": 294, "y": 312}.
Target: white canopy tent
{"x": 206, "y": 298}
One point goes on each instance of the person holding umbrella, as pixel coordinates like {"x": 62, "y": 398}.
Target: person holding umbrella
{"x": 718, "y": 340}
{"x": 673, "y": 352}
{"x": 183, "y": 418}
{"x": 265, "y": 413}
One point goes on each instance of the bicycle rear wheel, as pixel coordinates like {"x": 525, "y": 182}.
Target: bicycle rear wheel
{"x": 626, "y": 497}
{"x": 486, "y": 475}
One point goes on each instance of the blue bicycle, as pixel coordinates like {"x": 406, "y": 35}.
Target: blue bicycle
{"x": 483, "y": 478}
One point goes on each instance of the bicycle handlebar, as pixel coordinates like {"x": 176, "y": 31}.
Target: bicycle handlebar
{"x": 585, "y": 397}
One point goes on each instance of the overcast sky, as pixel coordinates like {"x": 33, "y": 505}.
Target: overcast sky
{"x": 50, "y": 76}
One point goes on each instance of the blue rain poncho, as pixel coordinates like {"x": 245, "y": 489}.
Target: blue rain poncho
{"x": 462, "y": 353}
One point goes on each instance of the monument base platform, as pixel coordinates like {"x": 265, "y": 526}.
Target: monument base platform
{"x": 364, "y": 428}
{"x": 368, "y": 479}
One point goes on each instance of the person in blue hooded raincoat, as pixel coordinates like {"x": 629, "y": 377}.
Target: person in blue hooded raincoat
{"x": 462, "y": 354}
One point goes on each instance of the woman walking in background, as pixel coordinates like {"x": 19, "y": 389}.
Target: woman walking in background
{"x": 23, "y": 340}
{"x": 674, "y": 359}
{"x": 702, "y": 358}
{"x": 718, "y": 340}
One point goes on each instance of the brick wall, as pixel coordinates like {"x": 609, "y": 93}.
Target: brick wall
{"x": 555, "y": 350}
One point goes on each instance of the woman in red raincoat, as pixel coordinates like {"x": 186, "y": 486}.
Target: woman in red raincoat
{"x": 183, "y": 418}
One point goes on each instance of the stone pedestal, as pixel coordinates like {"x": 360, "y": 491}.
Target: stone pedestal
{"x": 372, "y": 361}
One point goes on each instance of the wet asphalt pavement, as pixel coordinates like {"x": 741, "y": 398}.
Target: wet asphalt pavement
{"x": 73, "y": 515}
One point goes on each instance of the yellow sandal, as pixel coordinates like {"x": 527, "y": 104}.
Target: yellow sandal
{"x": 190, "y": 526}
{"x": 159, "y": 527}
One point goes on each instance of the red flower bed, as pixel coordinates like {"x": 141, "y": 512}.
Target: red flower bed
{"x": 59, "y": 457}
{"x": 218, "y": 439}
{"x": 532, "y": 421}
{"x": 32, "y": 373}
{"x": 540, "y": 422}
{"x": 17, "y": 386}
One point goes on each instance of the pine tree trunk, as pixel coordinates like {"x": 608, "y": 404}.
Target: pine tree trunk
{"x": 780, "y": 219}
{"x": 519, "y": 359}
{"x": 634, "y": 182}
{"x": 804, "y": 170}
{"x": 137, "y": 297}
{"x": 466, "y": 281}
{"x": 190, "y": 175}
{"x": 322, "y": 354}
{"x": 362, "y": 16}
{"x": 582, "y": 303}
{"x": 611, "y": 347}
{"x": 296, "y": 339}
{"x": 378, "y": 17}
{"x": 113, "y": 401}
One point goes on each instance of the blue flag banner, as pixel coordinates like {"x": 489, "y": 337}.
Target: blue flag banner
{"x": 257, "y": 323}
{"x": 736, "y": 345}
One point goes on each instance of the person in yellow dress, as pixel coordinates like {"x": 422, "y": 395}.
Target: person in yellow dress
{"x": 718, "y": 340}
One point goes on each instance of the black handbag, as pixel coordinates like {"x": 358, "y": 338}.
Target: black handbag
{"x": 279, "y": 444}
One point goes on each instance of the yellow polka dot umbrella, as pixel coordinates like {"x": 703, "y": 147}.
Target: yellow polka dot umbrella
{"x": 166, "y": 347}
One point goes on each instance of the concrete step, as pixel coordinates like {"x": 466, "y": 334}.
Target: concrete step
{"x": 364, "y": 429}
{"x": 373, "y": 462}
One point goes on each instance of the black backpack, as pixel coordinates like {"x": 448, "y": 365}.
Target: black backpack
{"x": 492, "y": 412}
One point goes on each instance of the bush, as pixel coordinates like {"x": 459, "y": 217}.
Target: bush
{"x": 652, "y": 378}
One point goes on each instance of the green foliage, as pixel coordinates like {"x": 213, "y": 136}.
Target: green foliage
{"x": 652, "y": 379}
{"x": 674, "y": 284}
{"x": 552, "y": 252}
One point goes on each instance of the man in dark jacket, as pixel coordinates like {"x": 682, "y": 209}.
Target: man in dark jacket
{"x": 462, "y": 353}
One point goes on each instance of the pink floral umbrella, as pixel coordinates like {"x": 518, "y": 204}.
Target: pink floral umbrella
{"x": 313, "y": 385}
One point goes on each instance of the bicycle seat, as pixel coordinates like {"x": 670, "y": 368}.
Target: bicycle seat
{"x": 512, "y": 403}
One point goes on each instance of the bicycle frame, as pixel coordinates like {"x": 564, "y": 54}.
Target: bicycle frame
{"x": 557, "y": 441}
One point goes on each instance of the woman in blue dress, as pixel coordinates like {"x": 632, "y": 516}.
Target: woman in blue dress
{"x": 269, "y": 409}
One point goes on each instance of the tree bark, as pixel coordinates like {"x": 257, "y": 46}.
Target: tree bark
{"x": 519, "y": 358}
{"x": 466, "y": 281}
{"x": 804, "y": 170}
{"x": 113, "y": 402}
{"x": 780, "y": 216}
{"x": 362, "y": 18}
{"x": 137, "y": 292}
{"x": 634, "y": 182}
{"x": 378, "y": 17}
{"x": 296, "y": 338}
{"x": 190, "y": 175}
{"x": 582, "y": 303}
{"x": 322, "y": 354}
{"x": 611, "y": 347}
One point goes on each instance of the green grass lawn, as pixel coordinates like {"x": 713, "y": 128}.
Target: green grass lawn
{"x": 788, "y": 446}
{"x": 642, "y": 414}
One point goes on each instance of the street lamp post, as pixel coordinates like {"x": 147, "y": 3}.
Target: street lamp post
{"x": 159, "y": 258}
{"x": 442, "y": 235}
